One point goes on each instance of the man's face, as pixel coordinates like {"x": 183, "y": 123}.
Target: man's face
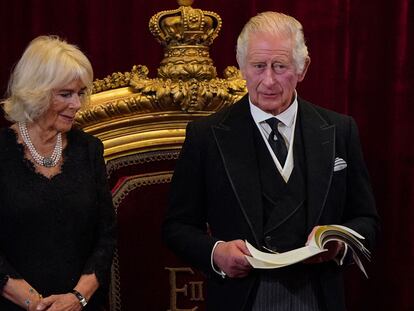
{"x": 270, "y": 72}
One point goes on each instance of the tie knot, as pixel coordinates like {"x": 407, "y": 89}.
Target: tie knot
{"x": 273, "y": 122}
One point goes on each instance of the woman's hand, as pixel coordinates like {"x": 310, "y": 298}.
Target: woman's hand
{"x": 33, "y": 302}
{"x": 87, "y": 285}
{"x": 64, "y": 302}
{"x": 21, "y": 293}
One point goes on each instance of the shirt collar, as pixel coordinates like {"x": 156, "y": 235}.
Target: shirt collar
{"x": 287, "y": 117}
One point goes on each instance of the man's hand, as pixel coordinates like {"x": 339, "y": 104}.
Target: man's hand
{"x": 229, "y": 257}
{"x": 334, "y": 250}
{"x": 64, "y": 302}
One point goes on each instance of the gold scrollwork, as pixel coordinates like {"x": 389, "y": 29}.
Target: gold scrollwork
{"x": 118, "y": 79}
{"x": 186, "y": 78}
{"x": 140, "y": 158}
{"x": 191, "y": 94}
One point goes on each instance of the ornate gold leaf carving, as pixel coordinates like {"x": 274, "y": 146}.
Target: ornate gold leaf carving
{"x": 118, "y": 79}
{"x": 192, "y": 94}
{"x": 186, "y": 78}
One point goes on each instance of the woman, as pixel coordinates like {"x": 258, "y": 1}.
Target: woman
{"x": 56, "y": 213}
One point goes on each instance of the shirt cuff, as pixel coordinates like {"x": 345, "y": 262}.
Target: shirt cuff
{"x": 219, "y": 272}
{"x": 340, "y": 261}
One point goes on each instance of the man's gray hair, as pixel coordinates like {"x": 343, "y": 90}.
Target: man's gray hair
{"x": 276, "y": 24}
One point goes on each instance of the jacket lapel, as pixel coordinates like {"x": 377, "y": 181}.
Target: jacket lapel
{"x": 319, "y": 146}
{"x": 234, "y": 138}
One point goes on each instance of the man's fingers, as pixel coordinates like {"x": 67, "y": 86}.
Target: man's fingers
{"x": 230, "y": 258}
{"x": 242, "y": 247}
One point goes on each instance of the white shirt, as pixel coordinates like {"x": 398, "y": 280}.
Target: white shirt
{"x": 286, "y": 128}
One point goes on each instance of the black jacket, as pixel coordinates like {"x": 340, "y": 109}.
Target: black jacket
{"x": 216, "y": 181}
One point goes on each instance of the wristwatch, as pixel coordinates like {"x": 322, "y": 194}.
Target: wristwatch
{"x": 82, "y": 300}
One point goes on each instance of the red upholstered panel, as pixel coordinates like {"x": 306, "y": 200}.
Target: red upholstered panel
{"x": 146, "y": 275}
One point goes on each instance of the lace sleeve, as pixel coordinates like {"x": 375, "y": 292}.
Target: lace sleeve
{"x": 101, "y": 258}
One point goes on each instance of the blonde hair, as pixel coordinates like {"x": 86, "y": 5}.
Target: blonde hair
{"x": 47, "y": 63}
{"x": 276, "y": 24}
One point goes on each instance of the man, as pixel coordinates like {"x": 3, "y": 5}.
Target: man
{"x": 269, "y": 169}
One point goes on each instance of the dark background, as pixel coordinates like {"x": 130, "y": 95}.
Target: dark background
{"x": 362, "y": 65}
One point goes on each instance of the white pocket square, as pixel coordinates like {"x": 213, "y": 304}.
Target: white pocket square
{"x": 340, "y": 164}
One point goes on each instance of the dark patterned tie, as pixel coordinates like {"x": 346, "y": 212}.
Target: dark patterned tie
{"x": 276, "y": 141}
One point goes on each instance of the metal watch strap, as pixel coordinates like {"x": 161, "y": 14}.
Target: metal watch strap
{"x": 82, "y": 300}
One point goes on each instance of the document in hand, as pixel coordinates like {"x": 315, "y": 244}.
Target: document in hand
{"x": 321, "y": 236}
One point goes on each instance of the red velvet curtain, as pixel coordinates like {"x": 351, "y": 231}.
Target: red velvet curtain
{"x": 362, "y": 65}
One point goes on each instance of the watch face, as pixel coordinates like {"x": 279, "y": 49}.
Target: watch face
{"x": 82, "y": 300}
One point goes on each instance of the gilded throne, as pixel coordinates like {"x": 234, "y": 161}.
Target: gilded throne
{"x": 142, "y": 122}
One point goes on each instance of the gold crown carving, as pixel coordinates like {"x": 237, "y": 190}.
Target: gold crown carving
{"x": 186, "y": 34}
{"x": 186, "y": 81}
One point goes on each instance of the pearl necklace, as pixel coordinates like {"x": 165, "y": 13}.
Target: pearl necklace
{"x": 41, "y": 160}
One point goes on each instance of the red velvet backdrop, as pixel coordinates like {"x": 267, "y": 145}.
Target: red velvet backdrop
{"x": 362, "y": 65}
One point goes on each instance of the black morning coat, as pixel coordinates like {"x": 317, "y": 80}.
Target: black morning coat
{"x": 216, "y": 181}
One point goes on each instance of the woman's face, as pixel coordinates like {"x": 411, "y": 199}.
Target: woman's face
{"x": 65, "y": 102}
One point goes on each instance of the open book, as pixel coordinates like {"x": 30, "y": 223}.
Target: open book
{"x": 321, "y": 236}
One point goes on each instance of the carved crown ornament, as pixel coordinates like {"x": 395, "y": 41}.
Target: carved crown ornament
{"x": 186, "y": 85}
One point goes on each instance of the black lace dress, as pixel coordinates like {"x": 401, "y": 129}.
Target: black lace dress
{"x": 54, "y": 230}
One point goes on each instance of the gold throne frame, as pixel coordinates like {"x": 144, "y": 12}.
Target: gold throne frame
{"x": 141, "y": 119}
